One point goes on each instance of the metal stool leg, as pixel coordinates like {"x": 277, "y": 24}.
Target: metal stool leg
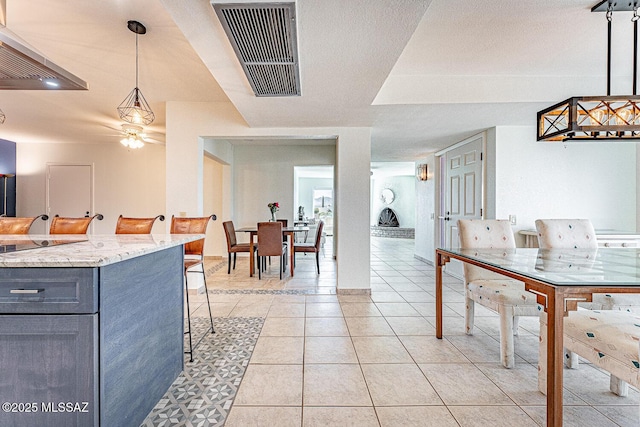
{"x": 186, "y": 289}
{"x": 206, "y": 291}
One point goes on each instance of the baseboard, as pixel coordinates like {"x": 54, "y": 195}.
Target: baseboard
{"x": 353, "y": 291}
{"x": 426, "y": 261}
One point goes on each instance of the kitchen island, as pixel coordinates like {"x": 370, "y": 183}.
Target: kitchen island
{"x": 91, "y": 327}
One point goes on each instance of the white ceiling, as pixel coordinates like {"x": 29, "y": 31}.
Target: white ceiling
{"x": 422, "y": 74}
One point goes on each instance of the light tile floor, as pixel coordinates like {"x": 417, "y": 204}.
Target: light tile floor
{"x": 328, "y": 360}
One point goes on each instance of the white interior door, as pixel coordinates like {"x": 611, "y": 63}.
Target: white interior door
{"x": 462, "y": 189}
{"x": 69, "y": 190}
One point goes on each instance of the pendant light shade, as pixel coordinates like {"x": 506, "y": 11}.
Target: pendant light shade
{"x": 135, "y": 108}
{"x": 597, "y": 117}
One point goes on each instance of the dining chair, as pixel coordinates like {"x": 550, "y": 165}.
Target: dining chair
{"x": 136, "y": 225}
{"x": 314, "y": 247}
{"x": 506, "y": 296}
{"x": 580, "y": 234}
{"x": 67, "y": 225}
{"x": 270, "y": 244}
{"x": 18, "y": 225}
{"x": 193, "y": 225}
{"x": 233, "y": 247}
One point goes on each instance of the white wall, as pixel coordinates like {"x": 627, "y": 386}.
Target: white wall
{"x": 426, "y": 212}
{"x": 127, "y": 182}
{"x": 555, "y": 180}
{"x": 353, "y": 159}
{"x": 264, "y": 174}
{"x": 404, "y": 203}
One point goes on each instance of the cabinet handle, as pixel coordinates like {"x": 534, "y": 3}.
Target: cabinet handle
{"x": 25, "y": 291}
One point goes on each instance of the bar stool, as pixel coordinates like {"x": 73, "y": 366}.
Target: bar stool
{"x": 66, "y": 225}
{"x": 18, "y": 225}
{"x": 136, "y": 225}
{"x": 197, "y": 225}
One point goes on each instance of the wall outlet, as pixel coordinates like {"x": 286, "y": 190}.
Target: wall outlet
{"x": 183, "y": 214}
{"x": 512, "y": 219}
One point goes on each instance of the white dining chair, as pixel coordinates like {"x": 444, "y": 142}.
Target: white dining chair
{"x": 506, "y": 296}
{"x": 580, "y": 234}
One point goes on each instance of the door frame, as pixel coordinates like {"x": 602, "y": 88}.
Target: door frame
{"x": 441, "y": 183}
{"x": 91, "y": 188}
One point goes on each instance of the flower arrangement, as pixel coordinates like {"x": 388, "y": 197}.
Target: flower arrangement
{"x": 273, "y": 207}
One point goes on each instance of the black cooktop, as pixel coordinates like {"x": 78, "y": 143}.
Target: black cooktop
{"x": 15, "y": 245}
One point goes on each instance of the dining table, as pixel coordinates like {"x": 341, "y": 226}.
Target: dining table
{"x": 560, "y": 278}
{"x": 286, "y": 232}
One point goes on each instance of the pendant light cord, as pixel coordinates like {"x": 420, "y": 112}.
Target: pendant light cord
{"x": 635, "y": 19}
{"x": 609, "y": 18}
{"x": 136, "y": 60}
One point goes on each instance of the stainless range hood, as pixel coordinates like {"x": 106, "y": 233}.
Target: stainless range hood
{"x": 23, "y": 69}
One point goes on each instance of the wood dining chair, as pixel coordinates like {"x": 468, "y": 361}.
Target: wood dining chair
{"x": 314, "y": 247}
{"x": 67, "y": 225}
{"x": 18, "y": 225}
{"x": 136, "y": 225}
{"x": 233, "y": 247}
{"x": 194, "y": 225}
{"x": 270, "y": 244}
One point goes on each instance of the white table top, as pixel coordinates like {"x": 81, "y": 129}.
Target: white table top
{"x": 95, "y": 251}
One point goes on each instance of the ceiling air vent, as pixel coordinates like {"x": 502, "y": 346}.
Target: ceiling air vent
{"x": 263, "y": 36}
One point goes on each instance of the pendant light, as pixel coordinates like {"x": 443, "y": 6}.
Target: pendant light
{"x": 135, "y": 109}
{"x": 588, "y": 118}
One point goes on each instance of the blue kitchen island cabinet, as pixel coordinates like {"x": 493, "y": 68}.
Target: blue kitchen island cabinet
{"x": 91, "y": 332}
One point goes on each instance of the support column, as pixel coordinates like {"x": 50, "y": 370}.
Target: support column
{"x": 184, "y": 175}
{"x": 353, "y": 167}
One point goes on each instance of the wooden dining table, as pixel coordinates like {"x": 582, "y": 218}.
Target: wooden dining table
{"x": 286, "y": 231}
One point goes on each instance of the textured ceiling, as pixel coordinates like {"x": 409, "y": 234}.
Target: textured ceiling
{"x": 422, "y": 74}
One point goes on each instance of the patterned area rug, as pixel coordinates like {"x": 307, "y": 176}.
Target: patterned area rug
{"x": 202, "y": 395}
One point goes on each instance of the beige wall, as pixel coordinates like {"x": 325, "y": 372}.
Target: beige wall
{"x": 215, "y": 244}
{"x": 125, "y": 182}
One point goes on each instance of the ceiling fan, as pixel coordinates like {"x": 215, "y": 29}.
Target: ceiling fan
{"x": 135, "y": 136}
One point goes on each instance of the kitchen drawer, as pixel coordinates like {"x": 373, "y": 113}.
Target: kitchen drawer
{"x": 48, "y": 290}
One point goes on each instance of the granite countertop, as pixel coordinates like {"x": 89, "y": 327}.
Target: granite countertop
{"x": 93, "y": 251}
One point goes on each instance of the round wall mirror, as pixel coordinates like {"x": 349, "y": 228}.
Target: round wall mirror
{"x": 387, "y": 196}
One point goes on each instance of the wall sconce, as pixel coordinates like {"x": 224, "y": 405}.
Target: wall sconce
{"x": 421, "y": 172}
